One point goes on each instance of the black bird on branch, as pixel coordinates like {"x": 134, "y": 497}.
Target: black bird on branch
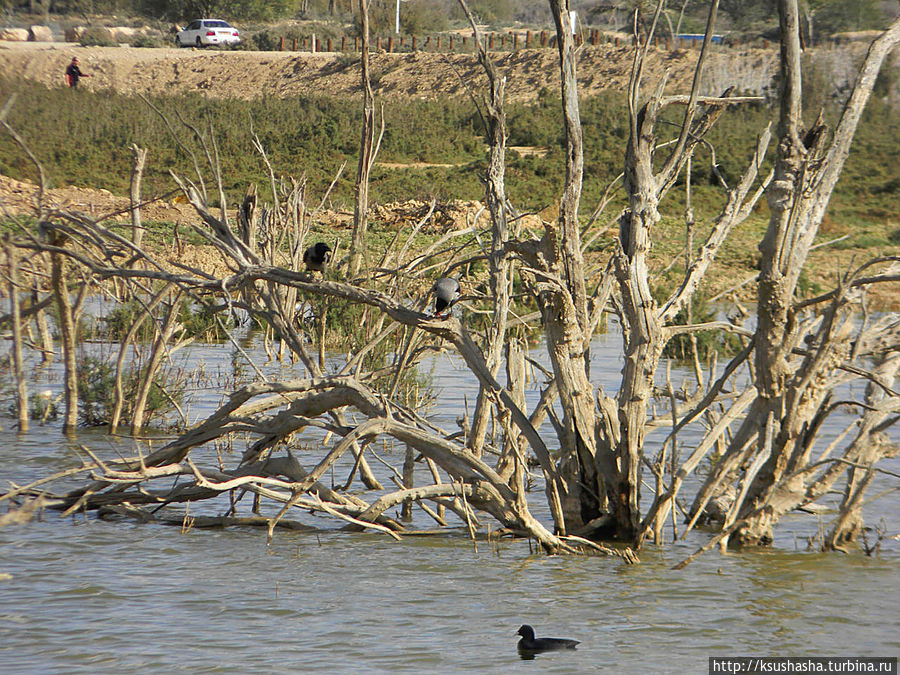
{"x": 317, "y": 257}
{"x": 446, "y": 293}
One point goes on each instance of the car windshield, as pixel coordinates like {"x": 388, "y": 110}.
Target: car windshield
{"x": 216, "y": 24}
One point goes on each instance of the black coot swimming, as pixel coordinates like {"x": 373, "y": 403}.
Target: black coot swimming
{"x": 531, "y": 644}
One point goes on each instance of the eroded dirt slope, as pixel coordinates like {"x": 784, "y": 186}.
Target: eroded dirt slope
{"x": 422, "y": 75}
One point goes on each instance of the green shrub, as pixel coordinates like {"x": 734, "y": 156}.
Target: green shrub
{"x": 44, "y": 408}
{"x": 122, "y": 317}
{"x": 148, "y": 41}
{"x": 263, "y": 41}
{"x": 318, "y": 134}
{"x": 199, "y": 322}
{"x": 708, "y": 341}
{"x": 862, "y": 240}
{"x": 97, "y": 36}
{"x": 96, "y": 391}
{"x": 202, "y": 323}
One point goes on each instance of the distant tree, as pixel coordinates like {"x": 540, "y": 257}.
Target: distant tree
{"x": 833, "y": 16}
{"x": 745, "y": 14}
{"x": 423, "y": 15}
{"x": 185, "y": 10}
{"x": 416, "y": 16}
{"x": 488, "y": 11}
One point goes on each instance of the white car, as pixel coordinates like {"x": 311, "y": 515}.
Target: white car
{"x": 204, "y": 32}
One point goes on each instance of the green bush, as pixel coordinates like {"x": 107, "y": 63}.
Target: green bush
{"x": 122, "y": 317}
{"x": 44, "y": 408}
{"x": 708, "y": 341}
{"x": 264, "y": 41}
{"x": 202, "y": 323}
{"x": 96, "y": 391}
{"x": 150, "y": 41}
{"x": 806, "y": 287}
{"x": 198, "y": 322}
{"x": 97, "y": 36}
{"x": 862, "y": 240}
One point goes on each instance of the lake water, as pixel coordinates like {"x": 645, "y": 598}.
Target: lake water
{"x": 83, "y": 595}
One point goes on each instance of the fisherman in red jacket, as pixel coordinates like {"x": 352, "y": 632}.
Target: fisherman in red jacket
{"x": 73, "y": 72}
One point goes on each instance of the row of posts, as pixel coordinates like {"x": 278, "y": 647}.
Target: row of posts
{"x": 501, "y": 41}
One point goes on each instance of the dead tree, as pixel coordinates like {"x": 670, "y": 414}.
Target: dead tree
{"x": 646, "y": 324}
{"x": 366, "y": 149}
{"x": 499, "y": 257}
{"x": 18, "y": 367}
{"x": 774, "y": 438}
{"x": 137, "y": 174}
{"x": 67, "y": 330}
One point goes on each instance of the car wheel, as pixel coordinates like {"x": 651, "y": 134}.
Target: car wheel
{"x": 199, "y": 44}
{"x": 177, "y": 41}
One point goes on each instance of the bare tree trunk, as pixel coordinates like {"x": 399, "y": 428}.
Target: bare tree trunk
{"x": 499, "y": 259}
{"x": 361, "y": 205}
{"x": 874, "y": 445}
{"x": 46, "y": 337}
{"x": 67, "y": 336}
{"x": 140, "y": 159}
{"x": 643, "y": 332}
{"x": 643, "y": 337}
{"x": 12, "y": 259}
{"x": 127, "y": 340}
{"x": 160, "y": 345}
{"x": 805, "y": 175}
{"x": 564, "y": 305}
{"x": 409, "y": 471}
